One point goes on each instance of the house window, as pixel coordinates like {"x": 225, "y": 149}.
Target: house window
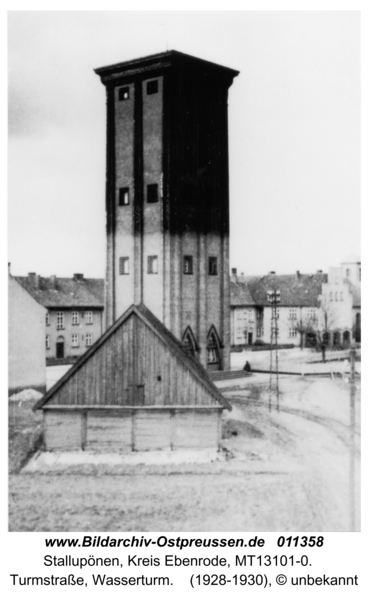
{"x": 260, "y": 331}
{"x": 124, "y": 93}
{"x": 124, "y": 196}
{"x": 212, "y": 265}
{"x": 88, "y": 318}
{"x": 152, "y": 87}
{"x": 331, "y": 296}
{"x": 75, "y": 340}
{"x": 341, "y": 297}
{"x": 60, "y": 320}
{"x": 124, "y": 265}
{"x": 47, "y": 318}
{"x": 75, "y": 318}
{"x": 188, "y": 265}
{"x": 47, "y": 342}
{"x": 152, "y": 192}
{"x": 336, "y": 297}
{"x": 89, "y": 339}
{"x": 347, "y": 272}
{"x": 292, "y": 314}
{"x": 292, "y": 332}
{"x": 152, "y": 265}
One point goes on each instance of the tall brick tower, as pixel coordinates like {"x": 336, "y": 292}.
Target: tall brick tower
{"x": 167, "y": 197}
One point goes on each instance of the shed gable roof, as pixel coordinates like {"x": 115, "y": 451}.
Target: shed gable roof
{"x": 166, "y": 337}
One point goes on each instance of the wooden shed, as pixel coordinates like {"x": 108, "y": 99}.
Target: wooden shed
{"x": 135, "y": 389}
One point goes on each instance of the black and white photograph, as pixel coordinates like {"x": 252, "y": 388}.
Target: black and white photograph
{"x": 184, "y": 271}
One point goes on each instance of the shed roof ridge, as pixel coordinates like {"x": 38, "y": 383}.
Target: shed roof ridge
{"x": 142, "y": 312}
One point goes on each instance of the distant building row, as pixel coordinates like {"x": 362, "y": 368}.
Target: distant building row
{"x": 313, "y": 309}
{"x": 54, "y": 320}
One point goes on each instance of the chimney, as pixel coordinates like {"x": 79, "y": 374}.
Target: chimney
{"x": 272, "y": 272}
{"x": 78, "y": 276}
{"x": 297, "y": 275}
{"x": 233, "y": 275}
{"x": 34, "y": 280}
{"x": 319, "y": 271}
{"x": 9, "y": 270}
{"x": 53, "y": 282}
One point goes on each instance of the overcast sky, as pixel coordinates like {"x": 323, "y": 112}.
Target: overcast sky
{"x": 294, "y": 132}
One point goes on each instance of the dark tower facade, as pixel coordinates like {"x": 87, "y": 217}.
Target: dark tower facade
{"x": 167, "y": 197}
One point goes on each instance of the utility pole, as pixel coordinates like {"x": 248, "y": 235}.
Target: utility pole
{"x": 273, "y": 296}
{"x": 352, "y": 439}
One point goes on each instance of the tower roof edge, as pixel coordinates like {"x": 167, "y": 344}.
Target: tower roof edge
{"x": 162, "y": 60}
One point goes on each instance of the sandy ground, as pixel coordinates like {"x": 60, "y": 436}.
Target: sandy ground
{"x": 292, "y": 470}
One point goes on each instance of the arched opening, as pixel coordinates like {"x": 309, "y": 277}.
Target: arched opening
{"x": 358, "y": 334}
{"x": 310, "y": 339}
{"x": 326, "y": 338}
{"x": 189, "y": 342}
{"x": 213, "y": 350}
{"x": 60, "y": 347}
{"x": 336, "y": 338}
{"x": 346, "y": 338}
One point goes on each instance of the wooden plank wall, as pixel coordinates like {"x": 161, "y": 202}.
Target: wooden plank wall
{"x": 133, "y": 356}
{"x": 114, "y": 430}
{"x": 63, "y": 430}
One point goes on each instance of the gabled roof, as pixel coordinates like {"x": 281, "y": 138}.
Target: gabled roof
{"x": 240, "y": 294}
{"x": 166, "y": 337}
{"x": 295, "y": 290}
{"x": 65, "y": 292}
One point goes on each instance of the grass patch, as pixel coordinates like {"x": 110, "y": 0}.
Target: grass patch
{"x": 25, "y": 433}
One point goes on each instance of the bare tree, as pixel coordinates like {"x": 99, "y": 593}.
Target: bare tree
{"x": 322, "y": 325}
{"x": 301, "y": 326}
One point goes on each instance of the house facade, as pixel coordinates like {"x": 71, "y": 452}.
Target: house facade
{"x": 340, "y": 304}
{"x": 26, "y": 340}
{"x": 298, "y": 304}
{"x": 73, "y": 316}
{"x": 312, "y": 308}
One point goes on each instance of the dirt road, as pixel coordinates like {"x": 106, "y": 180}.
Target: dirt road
{"x": 290, "y": 470}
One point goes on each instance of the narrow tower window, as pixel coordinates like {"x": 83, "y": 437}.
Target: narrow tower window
{"x": 188, "y": 265}
{"x": 124, "y": 265}
{"x": 212, "y": 265}
{"x": 124, "y": 196}
{"x": 212, "y": 351}
{"x": 152, "y": 265}
{"x": 152, "y": 192}
{"x": 124, "y": 93}
{"x": 152, "y": 87}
